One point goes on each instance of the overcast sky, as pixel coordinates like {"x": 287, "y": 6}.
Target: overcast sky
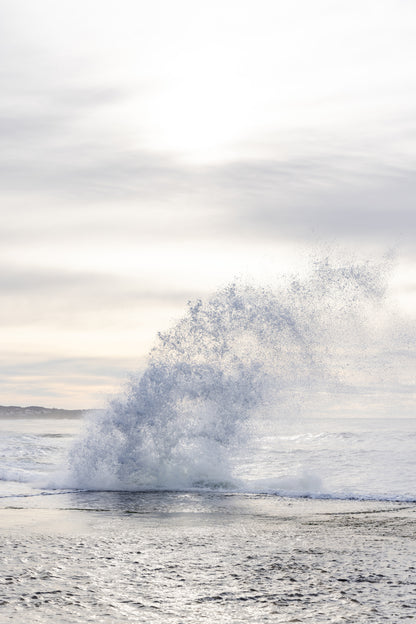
{"x": 152, "y": 151}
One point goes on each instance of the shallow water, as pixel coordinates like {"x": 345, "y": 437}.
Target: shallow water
{"x": 229, "y": 391}
{"x": 260, "y": 469}
{"x": 319, "y": 457}
{"x": 190, "y": 557}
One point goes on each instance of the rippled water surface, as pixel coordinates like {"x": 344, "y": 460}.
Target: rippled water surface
{"x": 215, "y": 556}
{"x": 190, "y": 557}
{"x": 261, "y": 468}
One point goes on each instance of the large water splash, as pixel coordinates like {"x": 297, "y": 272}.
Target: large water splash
{"x": 244, "y": 352}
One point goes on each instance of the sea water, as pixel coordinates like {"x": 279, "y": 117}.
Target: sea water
{"x": 306, "y": 388}
{"x": 260, "y": 469}
{"x": 324, "y": 553}
{"x": 260, "y": 388}
{"x": 362, "y": 458}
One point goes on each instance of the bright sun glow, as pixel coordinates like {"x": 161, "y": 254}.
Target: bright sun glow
{"x": 152, "y": 152}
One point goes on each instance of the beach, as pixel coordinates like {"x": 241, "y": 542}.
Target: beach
{"x": 207, "y": 312}
{"x": 191, "y": 557}
{"x": 336, "y": 549}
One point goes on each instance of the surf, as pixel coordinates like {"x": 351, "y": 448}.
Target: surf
{"x": 249, "y": 358}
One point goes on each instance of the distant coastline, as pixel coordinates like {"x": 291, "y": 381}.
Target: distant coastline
{"x": 36, "y": 411}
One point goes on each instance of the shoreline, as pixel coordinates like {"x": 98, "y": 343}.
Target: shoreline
{"x": 23, "y": 512}
{"x": 182, "y": 558}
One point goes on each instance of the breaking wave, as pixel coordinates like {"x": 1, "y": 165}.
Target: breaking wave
{"x": 247, "y": 357}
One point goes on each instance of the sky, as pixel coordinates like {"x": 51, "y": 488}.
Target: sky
{"x": 153, "y": 151}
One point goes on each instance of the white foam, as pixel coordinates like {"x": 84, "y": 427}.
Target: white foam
{"x": 310, "y": 344}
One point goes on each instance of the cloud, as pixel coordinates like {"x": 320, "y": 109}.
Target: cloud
{"x": 103, "y": 369}
{"x": 72, "y": 152}
{"x": 102, "y": 225}
{"x": 86, "y": 171}
{"x": 267, "y": 198}
{"x": 316, "y": 199}
{"x": 72, "y": 298}
{"x": 78, "y": 382}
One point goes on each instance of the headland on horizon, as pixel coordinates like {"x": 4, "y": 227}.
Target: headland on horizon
{"x": 37, "y": 411}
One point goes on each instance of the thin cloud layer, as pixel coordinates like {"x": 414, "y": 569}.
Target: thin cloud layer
{"x": 149, "y": 154}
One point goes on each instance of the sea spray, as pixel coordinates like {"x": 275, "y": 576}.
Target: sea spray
{"x": 246, "y": 351}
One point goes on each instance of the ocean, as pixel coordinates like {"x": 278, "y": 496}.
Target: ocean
{"x": 330, "y": 539}
{"x": 260, "y": 469}
{"x": 321, "y": 458}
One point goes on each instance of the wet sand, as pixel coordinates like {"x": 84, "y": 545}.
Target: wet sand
{"x": 187, "y": 557}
